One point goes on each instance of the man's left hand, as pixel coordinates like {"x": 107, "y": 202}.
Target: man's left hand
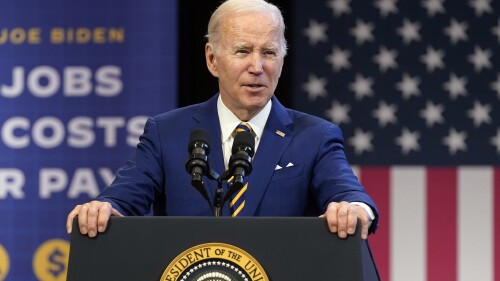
{"x": 342, "y": 218}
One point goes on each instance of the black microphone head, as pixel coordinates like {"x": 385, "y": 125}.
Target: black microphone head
{"x": 244, "y": 140}
{"x": 199, "y": 136}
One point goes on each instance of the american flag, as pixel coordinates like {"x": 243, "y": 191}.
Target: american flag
{"x": 415, "y": 87}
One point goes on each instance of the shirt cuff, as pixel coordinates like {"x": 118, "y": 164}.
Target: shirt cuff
{"x": 367, "y": 209}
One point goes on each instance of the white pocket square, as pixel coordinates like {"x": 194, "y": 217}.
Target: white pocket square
{"x": 278, "y": 167}
{"x": 290, "y": 164}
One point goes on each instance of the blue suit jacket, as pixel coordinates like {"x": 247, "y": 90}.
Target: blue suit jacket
{"x": 320, "y": 173}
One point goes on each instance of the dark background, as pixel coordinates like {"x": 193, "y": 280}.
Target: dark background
{"x": 196, "y": 84}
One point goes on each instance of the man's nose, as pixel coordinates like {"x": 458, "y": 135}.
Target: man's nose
{"x": 256, "y": 66}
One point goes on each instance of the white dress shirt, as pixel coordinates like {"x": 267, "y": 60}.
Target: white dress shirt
{"x": 228, "y": 122}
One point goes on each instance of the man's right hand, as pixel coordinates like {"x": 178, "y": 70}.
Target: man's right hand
{"x": 93, "y": 217}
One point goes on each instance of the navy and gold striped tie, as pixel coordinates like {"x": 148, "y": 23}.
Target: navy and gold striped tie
{"x": 238, "y": 201}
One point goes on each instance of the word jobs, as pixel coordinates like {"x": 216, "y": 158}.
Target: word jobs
{"x": 75, "y": 81}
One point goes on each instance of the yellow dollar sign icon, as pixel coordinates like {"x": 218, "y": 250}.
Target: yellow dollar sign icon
{"x": 50, "y": 262}
{"x": 4, "y": 263}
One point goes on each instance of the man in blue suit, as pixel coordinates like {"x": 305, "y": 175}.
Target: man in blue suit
{"x": 299, "y": 167}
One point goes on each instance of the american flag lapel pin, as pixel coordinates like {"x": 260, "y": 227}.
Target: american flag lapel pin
{"x": 280, "y": 133}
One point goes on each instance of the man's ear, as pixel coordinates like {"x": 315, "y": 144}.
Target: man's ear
{"x": 211, "y": 59}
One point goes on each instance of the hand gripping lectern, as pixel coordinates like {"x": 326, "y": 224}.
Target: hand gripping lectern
{"x": 226, "y": 249}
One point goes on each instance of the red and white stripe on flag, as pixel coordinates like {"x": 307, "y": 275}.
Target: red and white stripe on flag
{"x": 436, "y": 223}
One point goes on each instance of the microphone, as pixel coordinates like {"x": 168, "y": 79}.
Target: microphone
{"x": 197, "y": 162}
{"x": 240, "y": 163}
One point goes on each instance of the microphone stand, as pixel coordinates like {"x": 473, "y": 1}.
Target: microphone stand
{"x": 218, "y": 199}
{"x": 217, "y": 205}
{"x": 218, "y": 202}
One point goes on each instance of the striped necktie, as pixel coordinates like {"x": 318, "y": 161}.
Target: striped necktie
{"x": 237, "y": 202}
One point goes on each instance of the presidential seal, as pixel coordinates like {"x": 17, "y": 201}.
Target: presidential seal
{"x": 214, "y": 262}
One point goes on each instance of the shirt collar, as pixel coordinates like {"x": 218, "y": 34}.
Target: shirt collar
{"x": 228, "y": 121}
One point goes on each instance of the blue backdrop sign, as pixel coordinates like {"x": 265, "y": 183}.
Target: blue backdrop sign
{"x": 77, "y": 81}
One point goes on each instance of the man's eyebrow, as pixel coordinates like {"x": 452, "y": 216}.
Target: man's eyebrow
{"x": 247, "y": 45}
{"x": 270, "y": 48}
{"x": 241, "y": 46}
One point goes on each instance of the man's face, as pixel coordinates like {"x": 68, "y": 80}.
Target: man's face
{"x": 248, "y": 63}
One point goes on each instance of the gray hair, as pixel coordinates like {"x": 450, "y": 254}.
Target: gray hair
{"x": 239, "y": 7}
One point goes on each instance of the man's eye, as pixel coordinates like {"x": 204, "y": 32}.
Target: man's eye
{"x": 270, "y": 53}
{"x": 242, "y": 52}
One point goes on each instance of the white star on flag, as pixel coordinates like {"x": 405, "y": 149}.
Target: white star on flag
{"x": 385, "y": 113}
{"x": 408, "y": 141}
{"x": 480, "y": 113}
{"x": 315, "y": 87}
{"x": 339, "y": 58}
{"x": 433, "y": 7}
{"x": 408, "y": 86}
{"x": 339, "y": 113}
{"x": 480, "y": 58}
{"x": 433, "y": 59}
{"x": 316, "y": 32}
{"x": 362, "y": 32}
{"x": 456, "y": 31}
{"x": 495, "y": 141}
{"x": 456, "y": 86}
{"x": 362, "y": 87}
{"x": 496, "y": 31}
{"x": 433, "y": 113}
{"x": 481, "y": 6}
{"x": 386, "y": 7}
{"x": 409, "y": 31}
{"x": 455, "y": 141}
{"x": 386, "y": 59}
{"x": 361, "y": 141}
{"x": 339, "y": 7}
{"x": 495, "y": 85}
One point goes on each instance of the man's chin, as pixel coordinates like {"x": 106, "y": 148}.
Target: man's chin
{"x": 257, "y": 103}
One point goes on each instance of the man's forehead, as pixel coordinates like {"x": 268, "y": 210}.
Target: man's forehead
{"x": 246, "y": 36}
{"x": 258, "y": 23}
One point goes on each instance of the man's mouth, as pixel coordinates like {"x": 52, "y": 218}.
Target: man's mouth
{"x": 255, "y": 86}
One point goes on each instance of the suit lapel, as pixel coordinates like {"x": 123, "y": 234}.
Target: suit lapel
{"x": 268, "y": 154}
